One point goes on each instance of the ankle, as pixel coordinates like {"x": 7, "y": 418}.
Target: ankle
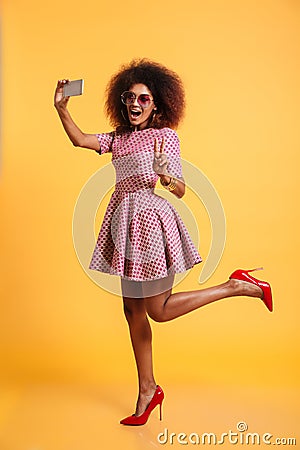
{"x": 147, "y": 388}
{"x": 235, "y": 287}
{"x": 244, "y": 288}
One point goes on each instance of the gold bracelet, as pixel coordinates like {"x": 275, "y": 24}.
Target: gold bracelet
{"x": 171, "y": 186}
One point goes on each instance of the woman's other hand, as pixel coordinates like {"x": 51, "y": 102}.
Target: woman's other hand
{"x": 160, "y": 166}
{"x": 160, "y": 162}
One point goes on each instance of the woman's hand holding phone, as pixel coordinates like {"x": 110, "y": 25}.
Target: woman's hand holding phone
{"x": 60, "y": 101}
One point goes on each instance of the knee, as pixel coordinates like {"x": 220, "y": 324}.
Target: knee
{"x": 156, "y": 307}
{"x": 156, "y": 314}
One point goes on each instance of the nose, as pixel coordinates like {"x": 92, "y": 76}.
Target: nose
{"x": 135, "y": 102}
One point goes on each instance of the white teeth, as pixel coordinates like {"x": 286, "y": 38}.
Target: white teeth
{"x": 135, "y": 112}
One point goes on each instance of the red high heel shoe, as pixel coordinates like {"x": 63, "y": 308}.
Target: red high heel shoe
{"x": 157, "y": 399}
{"x": 243, "y": 275}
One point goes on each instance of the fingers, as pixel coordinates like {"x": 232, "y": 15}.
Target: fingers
{"x": 60, "y": 101}
{"x": 160, "y": 158}
{"x": 162, "y": 145}
{"x": 61, "y": 83}
{"x": 163, "y": 159}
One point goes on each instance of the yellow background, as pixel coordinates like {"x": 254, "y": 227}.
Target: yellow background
{"x": 67, "y": 371}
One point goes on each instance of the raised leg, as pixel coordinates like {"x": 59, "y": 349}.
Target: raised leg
{"x": 167, "y": 306}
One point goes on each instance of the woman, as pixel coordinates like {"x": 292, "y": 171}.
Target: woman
{"x": 142, "y": 238}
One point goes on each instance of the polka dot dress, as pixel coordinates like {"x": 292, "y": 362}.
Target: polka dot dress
{"x": 142, "y": 237}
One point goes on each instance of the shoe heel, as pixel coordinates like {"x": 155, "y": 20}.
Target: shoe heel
{"x": 142, "y": 419}
{"x": 243, "y": 275}
{"x": 254, "y": 270}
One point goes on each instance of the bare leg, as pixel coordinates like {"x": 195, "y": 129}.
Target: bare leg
{"x": 167, "y": 306}
{"x": 141, "y": 339}
{"x": 163, "y": 307}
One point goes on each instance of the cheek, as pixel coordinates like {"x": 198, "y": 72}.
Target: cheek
{"x": 148, "y": 112}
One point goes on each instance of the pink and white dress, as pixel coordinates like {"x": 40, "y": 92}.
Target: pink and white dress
{"x": 142, "y": 236}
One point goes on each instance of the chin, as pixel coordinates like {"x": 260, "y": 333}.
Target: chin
{"x": 139, "y": 124}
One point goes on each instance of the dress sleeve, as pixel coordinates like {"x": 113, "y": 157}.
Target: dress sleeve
{"x": 172, "y": 150}
{"x": 106, "y": 141}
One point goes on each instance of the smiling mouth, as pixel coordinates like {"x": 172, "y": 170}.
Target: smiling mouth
{"x": 135, "y": 113}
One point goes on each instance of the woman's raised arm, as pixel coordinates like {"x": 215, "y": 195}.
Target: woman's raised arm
{"x": 76, "y": 136}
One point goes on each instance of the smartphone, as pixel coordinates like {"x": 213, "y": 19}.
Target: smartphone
{"x": 74, "y": 87}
